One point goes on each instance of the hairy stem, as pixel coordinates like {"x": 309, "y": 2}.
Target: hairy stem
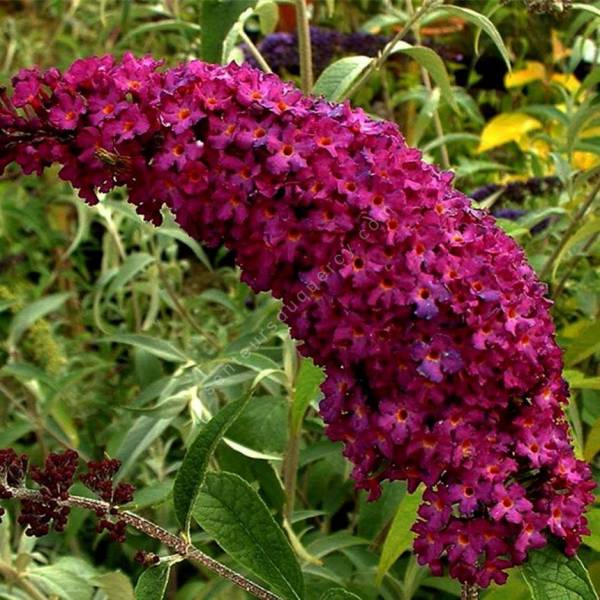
{"x": 172, "y": 541}
{"x": 575, "y": 223}
{"x": 469, "y": 592}
{"x": 304, "y": 47}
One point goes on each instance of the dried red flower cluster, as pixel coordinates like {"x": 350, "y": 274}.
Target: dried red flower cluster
{"x": 48, "y": 506}
{"x": 435, "y": 333}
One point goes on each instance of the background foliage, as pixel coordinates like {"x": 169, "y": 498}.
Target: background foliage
{"x": 121, "y": 339}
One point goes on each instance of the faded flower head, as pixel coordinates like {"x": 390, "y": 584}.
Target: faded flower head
{"x": 48, "y": 506}
{"x": 435, "y": 333}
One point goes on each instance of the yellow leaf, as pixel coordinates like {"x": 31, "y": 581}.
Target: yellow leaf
{"x": 534, "y": 71}
{"x": 540, "y": 148}
{"x": 591, "y": 132}
{"x": 505, "y": 128}
{"x": 584, "y": 160}
{"x": 567, "y": 80}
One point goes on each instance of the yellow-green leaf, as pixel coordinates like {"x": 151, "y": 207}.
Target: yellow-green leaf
{"x": 400, "y": 537}
{"x": 592, "y": 442}
{"x": 505, "y": 128}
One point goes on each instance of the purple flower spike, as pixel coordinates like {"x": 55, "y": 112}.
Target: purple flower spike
{"x": 435, "y": 333}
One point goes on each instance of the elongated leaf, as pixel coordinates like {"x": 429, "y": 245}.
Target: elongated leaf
{"x": 595, "y": 10}
{"x": 217, "y": 17}
{"x": 399, "y": 537}
{"x": 133, "y": 264}
{"x": 140, "y": 436}
{"x": 155, "y": 346}
{"x": 152, "y": 583}
{"x": 338, "y": 77}
{"x": 484, "y": 23}
{"x": 430, "y": 61}
{"x": 590, "y": 227}
{"x": 551, "y": 575}
{"x": 267, "y": 12}
{"x": 27, "y": 316}
{"x": 193, "y": 469}
{"x": 592, "y": 442}
{"x": 231, "y": 511}
{"x": 582, "y": 342}
{"x": 308, "y": 380}
{"x": 339, "y": 594}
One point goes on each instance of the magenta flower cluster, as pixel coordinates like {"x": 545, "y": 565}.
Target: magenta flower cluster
{"x": 442, "y": 367}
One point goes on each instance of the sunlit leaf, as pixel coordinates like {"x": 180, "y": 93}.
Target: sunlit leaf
{"x": 399, "y": 538}
{"x": 533, "y": 71}
{"x": 335, "y": 81}
{"x": 505, "y": 128}
{"x": 430, "y": 61}
{"x": 567, "y": 80}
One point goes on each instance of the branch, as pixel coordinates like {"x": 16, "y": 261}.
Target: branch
{"x": 575, "y": 223}
{"x": 179, "y": 545}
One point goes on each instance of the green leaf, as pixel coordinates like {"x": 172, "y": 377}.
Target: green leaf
{"x": 592, "y": 442}
{"x": 339, "y": 594}
{"x": 155, "y": 346}
{"x": 482, "y": 22}
{"x": 170, "y": 229}
{"x": 27, "y": 316}
{"x": 231, "y": 511}
{"x": 217, "y": 17}
{"x": 308, "y": 380}
{"x": 152, "y": 583}
{"x": 580, "y": 340}
{"x": 514, "y": 588}
{"x": 66, "y": 579}
{"x": 430, "y": 61}
{"x": 399, "y": 537}
{"x": 140, "y": 436}
{"x": 115, "y": 585}
{"x": 268, "y": 15}
{"x": 338, "y": 77}
{"x": 589, "y": 227}
{"x": 193, "y": 469}
{"x": 132, "y": 265}
{"x": 593, "y": 518}
{"x": 425, "y": 117}
{"x": 551, "y": 575}
{"x": 595, "y": 10}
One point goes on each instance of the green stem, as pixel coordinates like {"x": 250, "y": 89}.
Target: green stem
{"x": 304, "y": 47}
{"x": 377, "y": 63}
{"x": 437, "y": 122}
{"x": 260, "y": 59}
{"x": 14, "y": 577}
{"x": 290, "y": 469}
{"x": 569, "y": 231}
{"x": 565, "y": 277}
